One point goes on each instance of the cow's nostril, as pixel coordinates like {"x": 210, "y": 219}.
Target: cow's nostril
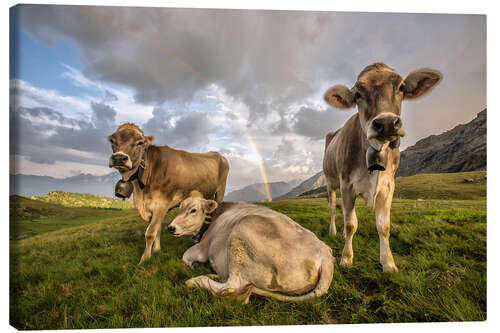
{"x": 378, "y": 126}
{"x": 120, "y": 158}
{"x": 397, "y": 123}
{"x": 171, "y": 229}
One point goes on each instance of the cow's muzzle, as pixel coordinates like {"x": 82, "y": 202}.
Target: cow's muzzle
{"x": 120, "y": 161}
{"x": 173, "y": 230}
{"x": 386, "y": 127}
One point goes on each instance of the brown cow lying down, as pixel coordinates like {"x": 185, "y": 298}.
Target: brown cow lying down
{"x": 362, "y": 157}
{"x": 254, "y": 249}
{"x": 162, "y": 177}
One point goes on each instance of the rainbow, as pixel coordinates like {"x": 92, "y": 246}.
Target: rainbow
{"x": 261, "y": 165}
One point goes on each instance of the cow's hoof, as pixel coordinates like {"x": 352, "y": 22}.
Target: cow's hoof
{"x": 346, "y": 262}
{"x": 390, "y": 268}
{"x": 144, "y": 258}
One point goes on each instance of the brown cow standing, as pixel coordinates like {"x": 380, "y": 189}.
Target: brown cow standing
{"x": 375, "y": 128}
{"x": 168, "y": 177}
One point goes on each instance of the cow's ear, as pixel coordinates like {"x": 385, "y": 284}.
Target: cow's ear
{"x": 150, "y": 138}
{"x": 340, "y": 97}
{"x": 210, "y": 206}
{"x": 420, "y": 81}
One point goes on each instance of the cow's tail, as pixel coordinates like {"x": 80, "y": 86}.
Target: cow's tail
{"x": 321, "y": 288}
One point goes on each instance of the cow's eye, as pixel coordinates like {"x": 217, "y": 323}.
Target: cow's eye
{"x": 193, "y": 211}
{"x": 140, "y": 143}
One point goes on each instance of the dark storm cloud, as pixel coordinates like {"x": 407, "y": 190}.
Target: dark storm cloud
{"x": 268, "y": 59}
{"x": 87, "y": 136}
{"x": 39, "y": 133}
{"x": 189, "y": 130}
{"x": 30, "y": 136}
{"x": 315, "y": 123}
{"x": 171, "y": 53}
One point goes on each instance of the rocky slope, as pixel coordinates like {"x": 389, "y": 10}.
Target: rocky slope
{"x": 460, "y": 149}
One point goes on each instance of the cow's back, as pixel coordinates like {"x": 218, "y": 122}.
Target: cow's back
{"x": 343, "y": 151}
{"x": 178, "y": 170}
{"x": 264, "y": 231}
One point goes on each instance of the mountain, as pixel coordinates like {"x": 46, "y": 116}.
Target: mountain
{"x": 460, "y": 149}
{"x": 463, "y": 148}
{"x": 258, "y": 192}
{"x": 316, "y": 181}
{"x": 28, "y": 185}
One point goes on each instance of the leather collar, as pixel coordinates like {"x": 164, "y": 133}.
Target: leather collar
{"x": 140, "y": 170}
{"x": 206, "y": 224}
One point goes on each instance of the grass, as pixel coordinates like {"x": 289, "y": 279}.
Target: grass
{"x": 32, "y": 217}
{"x": 87, "y": 276}
{"x": 442, "y": 186}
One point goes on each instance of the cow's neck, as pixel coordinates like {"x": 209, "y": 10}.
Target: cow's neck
{"x": 365, "y": 144}
{"x": 127, "y": 174}
{"x": 210, "y": 220}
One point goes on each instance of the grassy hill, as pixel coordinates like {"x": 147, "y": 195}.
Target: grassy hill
{"x": 442, "y": 186}
{"x": 87, "y": 275}
{"x": 70, "y": 199}
{"x": 30, "y": 217}
{"x": 432, "y": 186}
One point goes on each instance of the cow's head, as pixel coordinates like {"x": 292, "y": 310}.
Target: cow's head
{"x": 191, "y": 216}
{"x": 378, "y": 94}
{"x": 128, "y": 144}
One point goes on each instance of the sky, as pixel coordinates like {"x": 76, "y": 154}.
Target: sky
{"x": 245, "y": 83}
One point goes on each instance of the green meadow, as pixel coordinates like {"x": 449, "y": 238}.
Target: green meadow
{"x": 76, "y": 265}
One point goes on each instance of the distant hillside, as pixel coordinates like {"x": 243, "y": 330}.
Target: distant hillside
{"x": 462, "y": 148}
{"x": 257, "y": 192}
{"x": 28, "y": 185}
{"x": 69, "y": 199}
{"x": 316, "y": 181}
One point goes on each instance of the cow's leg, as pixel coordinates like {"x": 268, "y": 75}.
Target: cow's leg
{"x": 350, "y": 225}
{"x": 332, "y": 201}
{"x": 156, "y": 243}
{"x": 194, "y": 254}
{"x": 152, "y": 231}
{"x": 383, "y": 217}
{"x": 234, "y": 287}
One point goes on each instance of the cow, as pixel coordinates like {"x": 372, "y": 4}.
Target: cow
{"x": 253, "y": 249}
{"x": 162, "y": 177}
{"x": 362, "y": 157}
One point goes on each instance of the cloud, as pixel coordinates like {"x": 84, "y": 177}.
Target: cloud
{"x": 210, "y": 79}
{"x": 269, "y": 60}
{"x": 89, "y": 136}
{"x": 316, "y": 123}
{"x": 44, "y": 136}
{"x": 23, "y": 93}
{"x": 189, "y": 130}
